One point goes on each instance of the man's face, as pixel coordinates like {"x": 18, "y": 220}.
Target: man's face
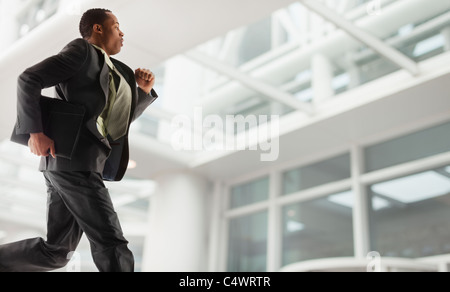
{"x": 112, "y": 35}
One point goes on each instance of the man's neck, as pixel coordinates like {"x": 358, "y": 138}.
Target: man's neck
{"x": 98, "y": 44}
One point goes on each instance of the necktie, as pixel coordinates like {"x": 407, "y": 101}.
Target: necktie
{"x": 115, "y": 117}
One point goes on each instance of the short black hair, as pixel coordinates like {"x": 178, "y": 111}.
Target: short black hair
{"x": 91, "y": 17}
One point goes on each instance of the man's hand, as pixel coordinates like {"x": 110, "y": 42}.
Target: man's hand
{"x": 145, "y": 79}
{"x": 41, "y": 145}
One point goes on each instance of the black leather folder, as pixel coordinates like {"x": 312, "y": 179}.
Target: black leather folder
{"x": 62, "y": 123}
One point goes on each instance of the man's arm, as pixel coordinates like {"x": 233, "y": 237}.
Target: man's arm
{"x": 45, "y": 74}
{"x": 146, "y": 94}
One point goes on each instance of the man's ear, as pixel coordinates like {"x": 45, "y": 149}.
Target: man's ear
{"x": 97, "y": 28}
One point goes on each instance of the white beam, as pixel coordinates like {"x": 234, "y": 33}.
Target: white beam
{"x": 252, "y": 83}
{"x": 440, "y": 22}
{"x": 322, "y": 78}
{"x": 277, "y": 32}
{"x": 286, "y": 21}
{"x": 345, "y": 5}
{"x": 231, "y": 45}
{"x": 446, "y": 33}
{"x": 377, "y": 45}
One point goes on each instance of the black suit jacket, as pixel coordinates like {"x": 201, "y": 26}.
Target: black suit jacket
{"x": 80, "y": 76}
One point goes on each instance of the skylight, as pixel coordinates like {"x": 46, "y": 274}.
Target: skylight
{"x": 341, "y": 81}
{"x": 346, "y": 199}
{"x": 414, "y": 188}
{"x": 305, "y": 95}
{"x": 294, "y": 226}
{"x": 429, "y": 45}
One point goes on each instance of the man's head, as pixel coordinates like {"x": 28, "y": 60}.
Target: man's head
{"x": 101, "y": 27}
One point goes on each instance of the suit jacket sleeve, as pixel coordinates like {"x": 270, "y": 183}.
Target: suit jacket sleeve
{"x": 45, "y": 74}
{"x": 144, "y": 100}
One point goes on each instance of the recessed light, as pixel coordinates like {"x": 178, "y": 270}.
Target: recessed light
{"x": 294, "y": 226}
{"x": 346, "y": 199}
{"x": 414, "y": 188}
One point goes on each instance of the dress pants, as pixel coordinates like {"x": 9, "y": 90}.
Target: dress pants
{"x": 78, "y": 203}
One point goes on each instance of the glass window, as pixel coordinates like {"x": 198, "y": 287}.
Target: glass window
{"x": 320, "y": 228}
{"x": 256, "y": 41}
{"x": 247, "y": 250}
{"x": 407, "y": 148}
{"x": 306, "y": 177}
{"x": 249, "y": 193}
{"x": 410, "y": 216}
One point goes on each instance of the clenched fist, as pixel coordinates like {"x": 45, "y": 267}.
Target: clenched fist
{"x": 145, "y": 79}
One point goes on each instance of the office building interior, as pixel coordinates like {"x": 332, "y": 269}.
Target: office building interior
{"x": 288, "y": 136}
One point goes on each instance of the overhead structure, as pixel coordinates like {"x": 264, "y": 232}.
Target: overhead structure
{"x": 376, "y": 44}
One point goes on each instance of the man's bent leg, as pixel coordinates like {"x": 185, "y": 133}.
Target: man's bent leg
{"x": 38, "y": 255}
{"x": 89, "y": 202}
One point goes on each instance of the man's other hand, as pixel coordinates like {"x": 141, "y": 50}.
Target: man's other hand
{"x": 145, "y": 79}
{"x": 41, "y": 145}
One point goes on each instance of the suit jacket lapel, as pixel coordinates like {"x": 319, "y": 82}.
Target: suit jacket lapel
{"x": 104, "y": 79}
{"x": 104, "y": 72}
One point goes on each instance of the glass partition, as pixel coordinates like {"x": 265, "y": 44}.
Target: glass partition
{"x": 249, "y": 193}
{"x": 413, "y": 220}
{"x": 247, "y": 251}
{"x": 317, "y": 174}
{"x": 407, "y": 148}
{"x": 320, "y": 228}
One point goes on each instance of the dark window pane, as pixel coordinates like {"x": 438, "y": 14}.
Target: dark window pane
{"x": 407, "y": 148}
{"x": 328, "y": 171}
{"x": 410, "y": 216}
{"x": 321, "y": 228}
{"x": 250, "y": 193}
{"x": 247, "y": 250}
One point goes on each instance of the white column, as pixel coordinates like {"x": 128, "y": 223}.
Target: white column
{"x": 353, "y": 71}
{"x": 277, "y": 33}
{"x": 322, "y": 78}
{"x": 177, "y": 238}
{"x": 215, "y": 228}
{"x": 183, "y": 79}
{"x": 275, "y": 233}
{"x": 361, "y": 232}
